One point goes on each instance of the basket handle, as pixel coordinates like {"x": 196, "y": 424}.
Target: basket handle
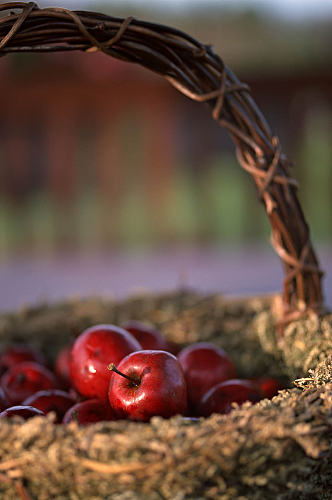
{"x": 195, "y": 70}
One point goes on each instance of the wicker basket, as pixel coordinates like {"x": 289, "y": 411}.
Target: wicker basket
{"x": 275, "y": 449}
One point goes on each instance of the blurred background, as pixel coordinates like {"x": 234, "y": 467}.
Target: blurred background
{"x": 112, "y": 182}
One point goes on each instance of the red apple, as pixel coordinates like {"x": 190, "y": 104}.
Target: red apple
{"x": 17, "y": 353}
{"x": 148, "y": 337}
{"x": 173, "y": 347}
{"x": 4, "y": 403}
{"x": 22, "y": 380}
{"x": 219, "y": 398}
{"x": 21, "y": 411}
{"x": 204, "y": 365}
{"x": 51, "y": 400}
{"x": 89, "y": 411}
{"x": 148, "y": 383}
{"x": 269, "y": 386}
{"x": 61, "y": 365}
{"x": 91, "y": 354}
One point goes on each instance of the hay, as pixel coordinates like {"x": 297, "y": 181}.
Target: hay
{"x": 279, "y": 449}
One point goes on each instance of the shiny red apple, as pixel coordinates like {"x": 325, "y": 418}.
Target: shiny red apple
{"x": 21, "y": 411}
{"x": 148, "y": 383}
{"x": 89, "y": 411}
{"x": 91, "y": 354}
{"x": 148, "y": 337}
{"x": 17, "y": 353}
{"x": 51, "y": 400}
{"x": 219, "y": 398}
{"x": 23, "y": 380}
{"x": 204, "y": 365}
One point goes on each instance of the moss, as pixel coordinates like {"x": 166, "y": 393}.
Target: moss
{"x": 278, "y": 449}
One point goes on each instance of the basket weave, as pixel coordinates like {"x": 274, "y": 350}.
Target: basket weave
{"x": 275, "y": 449}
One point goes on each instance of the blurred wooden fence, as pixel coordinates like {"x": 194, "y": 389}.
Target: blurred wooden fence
{"x": 96, "y": 152}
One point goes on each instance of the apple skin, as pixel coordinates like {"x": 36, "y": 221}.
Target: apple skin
{"x": 148, "y": 337}
{"x": 4, "y": 403}
{"x": 21, "y": 411}
{"x": 173, "y": 347}
{"x": 89, "y": 411}
{"x": 91, "y": 354}
{"x": 51, "y": 400}
{"x": 61, "y": 365}
{"x": 270, "y": 387}
{"x": 23, "y": 380}
{"x": 204, "y": 365}
{"x": 160, "y": 390}
{"x": 17, "y": 353}
{"x": 219, "y": 398}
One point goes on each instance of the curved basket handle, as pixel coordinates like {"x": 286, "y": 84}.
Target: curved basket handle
{"x": 195, "y": 70}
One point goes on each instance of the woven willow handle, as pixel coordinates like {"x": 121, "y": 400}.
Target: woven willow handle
{"x": 196, "y": 71}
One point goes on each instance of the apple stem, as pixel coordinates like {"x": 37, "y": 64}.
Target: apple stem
{"x": 113, "y": 368}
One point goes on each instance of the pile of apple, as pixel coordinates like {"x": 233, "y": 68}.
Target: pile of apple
{"x": 132, "y": 372}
